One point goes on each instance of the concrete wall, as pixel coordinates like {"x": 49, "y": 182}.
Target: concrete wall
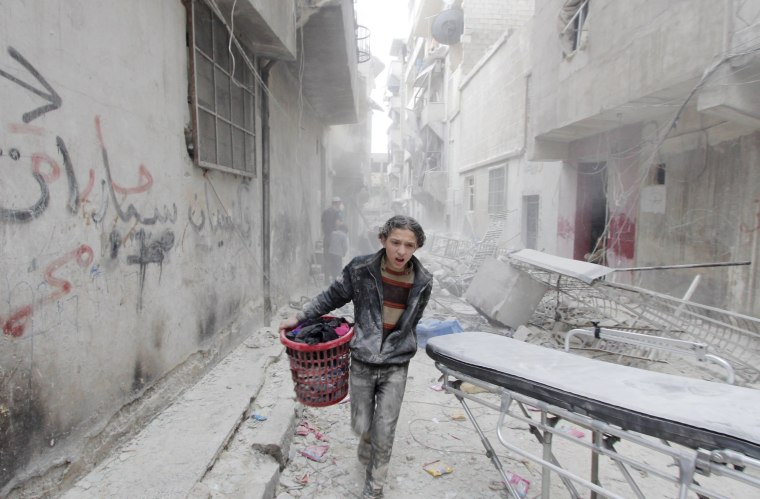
{"x": 633, "y": 49}
{"x": 122, "y": 261}
{"x": 485, "y": 21}
{"x": 707, "y": 211}
{"x": 486, "y": 134}
{"x": 489, "y": 131}
{"x": 610, "y": 103}
{"x": 297, "y": 175}
{"x": 542, "y": 179}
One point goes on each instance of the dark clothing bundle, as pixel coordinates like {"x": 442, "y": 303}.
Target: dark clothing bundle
{"x": 319, "y": 330}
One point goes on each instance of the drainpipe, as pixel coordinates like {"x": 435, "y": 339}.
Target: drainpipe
{"x": 266, "y": 215}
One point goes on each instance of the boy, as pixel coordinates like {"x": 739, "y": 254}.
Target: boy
{"x": 390, "y": 290}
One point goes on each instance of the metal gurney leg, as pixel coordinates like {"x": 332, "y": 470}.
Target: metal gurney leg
{"x": 549, "y": 462}
{"x": 490, "y": 453}
{"x": 709, "y": 430}
{"x": 688, "y": 461}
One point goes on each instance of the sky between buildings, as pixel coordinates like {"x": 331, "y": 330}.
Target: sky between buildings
{"x": 386, "y": 20}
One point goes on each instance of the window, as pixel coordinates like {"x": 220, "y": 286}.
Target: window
{"x": 497, "y": 190}
{"x": 469, "y": 183}
{"x": 657, "y": 174}
{"x": 573, "y": 17}
{"x": 224, "y": 95}
{"x": 530, "y": 221}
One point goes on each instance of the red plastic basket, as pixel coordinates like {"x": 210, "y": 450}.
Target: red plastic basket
{"x": 319, "y": 372}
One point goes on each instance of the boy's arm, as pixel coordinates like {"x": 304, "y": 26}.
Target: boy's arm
{"x": 339, "y": 293}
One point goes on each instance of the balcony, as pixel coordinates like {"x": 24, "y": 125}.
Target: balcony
{"x": 432, "y": 192}
{"x": 265, "y": 28}
{"x": 330, "y": 63}
{"x": 432, "y": 115}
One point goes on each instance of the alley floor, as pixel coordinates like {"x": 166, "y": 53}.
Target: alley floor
{"x": 433, "y": 433}
{"x": 280, "y": 448}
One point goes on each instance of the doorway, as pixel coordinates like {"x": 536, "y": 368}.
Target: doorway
{"x": 591, "y": 213}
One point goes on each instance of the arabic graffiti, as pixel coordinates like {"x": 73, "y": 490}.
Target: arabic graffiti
{"x": 16, "y": 322}
{"x": 150, "y": 251}
{"x": 52, "y": 97}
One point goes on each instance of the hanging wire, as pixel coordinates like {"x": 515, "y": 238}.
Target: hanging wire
{"x": 297, "y": 121}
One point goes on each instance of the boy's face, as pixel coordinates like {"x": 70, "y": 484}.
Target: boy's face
{"x": 399, "y": 246}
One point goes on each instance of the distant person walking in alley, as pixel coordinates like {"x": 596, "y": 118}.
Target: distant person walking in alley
{"x": 336, "y": 249}
{"x": 389, "y": 290}
{"x": 330, "y": 217}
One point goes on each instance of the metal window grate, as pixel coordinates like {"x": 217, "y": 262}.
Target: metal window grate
{"x": 224, "y": 101}
{"x": 531, "y": 210}
{"x": 497, "y": 190}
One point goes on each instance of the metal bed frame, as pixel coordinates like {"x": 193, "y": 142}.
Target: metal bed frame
{"x": 582, "y": 287}
{"x": 699, "y": 448}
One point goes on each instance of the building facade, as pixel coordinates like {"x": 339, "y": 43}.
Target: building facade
{"x": 652, "y": 108}
{"x": 161, "y": 188}
{"x": 466, "y": 101}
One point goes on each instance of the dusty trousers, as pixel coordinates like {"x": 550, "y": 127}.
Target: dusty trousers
{"x": 376, "y": 395}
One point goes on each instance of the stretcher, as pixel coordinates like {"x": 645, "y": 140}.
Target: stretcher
{"x": 703, "y": 428}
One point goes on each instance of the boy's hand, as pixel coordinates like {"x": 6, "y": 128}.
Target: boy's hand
{"x": 288, "y": 323}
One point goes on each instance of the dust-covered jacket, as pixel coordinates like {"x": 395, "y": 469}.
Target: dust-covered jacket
{"x": 361, "y": 283}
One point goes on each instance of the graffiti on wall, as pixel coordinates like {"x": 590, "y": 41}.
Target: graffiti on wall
{"x": 151, "y": 250}
{"x": 219, "y": 218}
{"x": 45, "y": 170}
{"x": 92, "y": 192}
{"x": 565, "y": 228}
{"x": 16, "y": 322}
{"x": 49, "y": 94}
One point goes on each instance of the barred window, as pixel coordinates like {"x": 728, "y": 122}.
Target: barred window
{"x": 530, "y": 221}
{"x": 497, "y": 190}
{"x": 470, "y": 192}
{"x": 223, "y": 97}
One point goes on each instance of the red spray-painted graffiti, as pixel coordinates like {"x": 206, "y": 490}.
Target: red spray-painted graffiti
{"x": 565, "y": 229}
{"x": 16, "y": 323}
{"x": 145, "y": 177}
{"x": 146, "y": 181}
{"x": 25, "y": 214}
{"x": 622, "y": 235}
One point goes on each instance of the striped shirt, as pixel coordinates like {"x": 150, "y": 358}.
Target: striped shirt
{"x": 396, "y": 287}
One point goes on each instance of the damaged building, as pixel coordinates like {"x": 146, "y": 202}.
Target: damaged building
{"x": 163, "y": 168}
{"x": 604, "y": 132}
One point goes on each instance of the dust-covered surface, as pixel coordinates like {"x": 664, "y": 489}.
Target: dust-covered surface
{"x": 280, "y": 448}
{"x": 435, "y": 435}
{"x": 434, "y": 431}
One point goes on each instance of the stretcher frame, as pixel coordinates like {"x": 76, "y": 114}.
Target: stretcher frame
{"x": 691, "y": 462}
{"x": 684, "y": 348}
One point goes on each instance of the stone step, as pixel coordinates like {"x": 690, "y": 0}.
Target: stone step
{"x": 175, "y": 450}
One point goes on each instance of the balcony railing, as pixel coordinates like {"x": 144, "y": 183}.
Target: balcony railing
{"x": 363, "y": 53}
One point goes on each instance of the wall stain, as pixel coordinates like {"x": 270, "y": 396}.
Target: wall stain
{"x": 22, "y": 423}
{"x": 207, "y": 324}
